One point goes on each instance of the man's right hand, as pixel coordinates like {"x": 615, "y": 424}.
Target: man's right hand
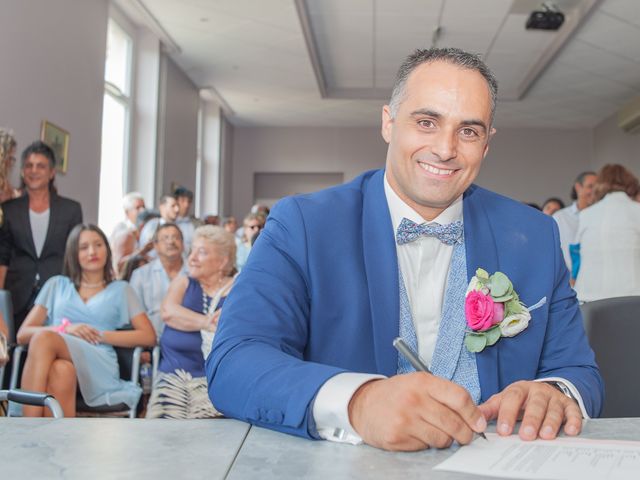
{"x": 413, "y": 412}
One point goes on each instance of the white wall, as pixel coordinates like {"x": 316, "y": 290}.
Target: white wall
{"x": 178, "y": 127}
{"x": 532, "y": 165}
{"x": 613, "y": 145}
{"x": 144, "y": 131}
{"x": 53, "y": 68}
{"x": 210, "y": 136}
{"x": 225, "y": 199}
{"x": 527, "y": 164}
{"x": 301, "y": 150}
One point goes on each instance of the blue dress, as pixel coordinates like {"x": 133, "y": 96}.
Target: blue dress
{"x": 96, "y": 365}
{"x": 180, "y": 390}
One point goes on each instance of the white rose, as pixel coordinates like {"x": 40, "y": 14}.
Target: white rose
{"x": 514, "y": 324}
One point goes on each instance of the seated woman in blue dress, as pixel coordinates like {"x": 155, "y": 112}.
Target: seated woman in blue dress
{"x": 71, "y": 329}
{"x": 190, "y": 311}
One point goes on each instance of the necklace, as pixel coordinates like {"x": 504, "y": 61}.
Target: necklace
{"x": 92, "y": 285}
{"x": 207, "y": 302}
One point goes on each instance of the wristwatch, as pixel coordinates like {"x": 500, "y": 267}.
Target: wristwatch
{"x": 563, "y": 388}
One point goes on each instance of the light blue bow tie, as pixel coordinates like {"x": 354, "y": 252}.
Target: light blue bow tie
{"x": 449, "y": 234}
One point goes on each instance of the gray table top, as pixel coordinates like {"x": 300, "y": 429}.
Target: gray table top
{"x": 98, "y": 448}
{"x": 267, "y": 454}
{"x": 95, "y": 448}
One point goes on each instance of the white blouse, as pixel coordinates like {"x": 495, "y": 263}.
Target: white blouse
{"x": 609, "y": 238}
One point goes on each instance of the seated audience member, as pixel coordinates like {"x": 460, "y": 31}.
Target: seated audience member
{"x": 212, "y": 220}
{"x": 187, "y": 222}
{"x": 552, "y": 205}
{"x": 8, "y": 146}
{"x": 123, "y": 246}
{"x": 609, "y": 238}
{"x": 534, "y": 205}
{"x": 305, "y": 339}
{"x": 168, "y": 208}
{"x": 230, "y": 224}
{"x": 252, "y": 224}
{"x": 133, "y": 263}
{"x": 34, "y": 230}
{"x": 190, "y": 311}
{"x": 133, "y": 204}
{"x": 260, "y": 209}
{"x": 151, "y": 282}
{"x": 72, "y": 329}
{"x": 143, "y": 218}
{"x": 567, "y": 218}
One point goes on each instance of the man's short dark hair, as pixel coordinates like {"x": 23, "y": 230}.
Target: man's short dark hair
{"x": 183, "y": 192}
{"x": 454, "y": 56}
{"x": 165, "y": 198}
{"x": 580, "y": 179}
{"x": 165, "y": 226}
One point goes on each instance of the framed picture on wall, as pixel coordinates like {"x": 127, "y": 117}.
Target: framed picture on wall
{"x": 58, "y": 139}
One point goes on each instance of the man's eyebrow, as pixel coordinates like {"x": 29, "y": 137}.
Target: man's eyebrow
{"x": 427, "y": 112}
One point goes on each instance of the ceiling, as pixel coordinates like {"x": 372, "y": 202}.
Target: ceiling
{"x": 333, "y": 62}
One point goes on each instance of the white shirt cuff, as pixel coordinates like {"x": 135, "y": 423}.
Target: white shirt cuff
{"x": 572, "y": 388}
{"x": 331, "y": 407}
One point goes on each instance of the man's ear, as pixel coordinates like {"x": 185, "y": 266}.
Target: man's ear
{"x": 387, "y": 124}
{"x": 492, "y": 132}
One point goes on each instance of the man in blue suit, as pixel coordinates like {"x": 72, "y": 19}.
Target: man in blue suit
{"x": 304, "y": 344}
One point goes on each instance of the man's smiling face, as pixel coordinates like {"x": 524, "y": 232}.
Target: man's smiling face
{"x": 439, "y": 136}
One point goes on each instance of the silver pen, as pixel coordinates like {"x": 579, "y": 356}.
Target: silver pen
{"x": 416, "y": 362}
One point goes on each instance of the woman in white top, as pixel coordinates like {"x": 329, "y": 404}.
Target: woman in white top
{"x": 609, "y": 238}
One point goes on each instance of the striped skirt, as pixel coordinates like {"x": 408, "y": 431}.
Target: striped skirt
{"x": 180, "y": 396}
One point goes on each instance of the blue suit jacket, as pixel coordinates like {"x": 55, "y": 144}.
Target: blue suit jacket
{"x": 319, "y": 296}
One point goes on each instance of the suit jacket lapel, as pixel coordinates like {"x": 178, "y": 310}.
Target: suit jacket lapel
{"x": 481, "y": 253}
{"x": 25, "y": 225}
{"x": 381, "y": 268}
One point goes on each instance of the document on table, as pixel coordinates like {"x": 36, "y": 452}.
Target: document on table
{"x": 559, "y": 459}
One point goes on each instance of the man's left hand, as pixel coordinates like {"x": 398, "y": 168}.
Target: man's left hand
{"x": 542, "y": 407}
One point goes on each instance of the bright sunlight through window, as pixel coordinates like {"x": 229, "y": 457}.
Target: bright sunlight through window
{"x": 115, "y": 127}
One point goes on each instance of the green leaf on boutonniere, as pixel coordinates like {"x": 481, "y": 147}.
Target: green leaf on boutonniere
{"x": 475, "y": 342}
{"x": 493, "y": 335}
{"x": 500, "y": 285}
{"x": 503, "y": 299}
{"x": 512, "y": 307}
{"x": 482, "y": 274}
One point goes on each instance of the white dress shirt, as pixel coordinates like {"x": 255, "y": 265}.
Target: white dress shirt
{"x": 424, "y": 264}
{"x": 567, "y": 220}
{"x": 609, "y": 237}
{"x": 187, "y": 228}
{"x": 151, "y": 283}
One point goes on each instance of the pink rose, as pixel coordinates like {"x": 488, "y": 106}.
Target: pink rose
{"x": 479, "y": 310}
{"x": 498, "y": 313}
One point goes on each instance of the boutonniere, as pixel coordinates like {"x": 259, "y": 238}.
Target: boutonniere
{"x": 493, "y": 310}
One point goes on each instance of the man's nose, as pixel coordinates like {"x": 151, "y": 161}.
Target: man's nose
{"x": 445, "y": 145}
